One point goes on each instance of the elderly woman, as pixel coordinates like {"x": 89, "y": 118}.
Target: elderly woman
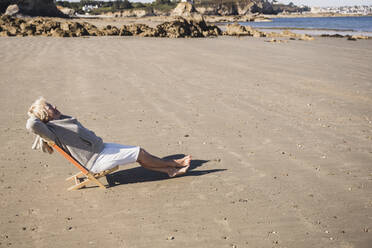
{"x": 87, "y": 148}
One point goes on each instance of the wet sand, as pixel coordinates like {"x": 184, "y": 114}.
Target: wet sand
{"x": 280, "y": 134}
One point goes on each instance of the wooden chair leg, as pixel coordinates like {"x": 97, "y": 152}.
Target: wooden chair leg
{"x": 89, "y": 178}
{"x": 95, "y": 180}
{"x": 79, "y": 185}
{"x": 74, "y": 176}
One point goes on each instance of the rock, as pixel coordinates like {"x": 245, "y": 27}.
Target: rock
{"x": 92, "y": 30}
{"x": 59, "y": 33}
{"x": 111, "y": 30}
{"x": 124, "y": 31}
{"x": 38, "y": 8}
{"x": 143, "y": 12}
{"x": 134, "y": 29}
{"x": 132, "y": 13}
{"x": 234, "y": 7}
{"x": 27, "y": 28}
{"x": 4, "y": 34}
{"x": 306, "y": 37}
{"x": 332, "y": 35}
{"x": 12, "y": 10}
{"x": 291, "y": 35}
{"x": 236, "y": 29}
{"x": 239, "y": 30}
{"x": 360, "y": 37}
{"x": 75, "y": 29}
{"x": 150, "y": 32}
{"x": 13, "y": 31}
{"x": 287, "y": 33}
{"x": 66, "y": 11}
{"x": 245, "y": 18}
{"x": 184, "y": 9}
{"x": 261, "y": 19}
{"x": 273, "y": 35}
{"x": 258, "y": 34}
{"x": 182, "y": 27}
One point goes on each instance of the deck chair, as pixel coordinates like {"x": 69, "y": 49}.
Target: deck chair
{"x": 84, "y": 176}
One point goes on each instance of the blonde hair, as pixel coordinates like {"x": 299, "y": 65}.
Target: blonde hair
{"x": 38, "y": 110}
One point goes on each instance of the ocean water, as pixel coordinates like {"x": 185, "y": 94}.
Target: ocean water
{"x": 330, "y": 25}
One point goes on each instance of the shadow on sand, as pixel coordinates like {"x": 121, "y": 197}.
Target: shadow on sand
{"x": 140, "y": 174}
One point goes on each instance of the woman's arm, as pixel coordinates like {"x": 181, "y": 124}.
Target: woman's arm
{"x": 38, "y": 127}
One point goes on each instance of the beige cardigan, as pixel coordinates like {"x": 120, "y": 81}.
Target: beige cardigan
{"x": 68, "y": 133}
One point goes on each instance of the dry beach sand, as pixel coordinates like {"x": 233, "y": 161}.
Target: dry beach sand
{"x": 280, "y": 134}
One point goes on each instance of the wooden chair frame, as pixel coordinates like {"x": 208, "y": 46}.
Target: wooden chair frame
{"x": 84, "y": 177}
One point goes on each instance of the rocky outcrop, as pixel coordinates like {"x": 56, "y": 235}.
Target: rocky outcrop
{"x": 34, "y": 7}
{"x": 236, "y": 29}
{"x": 348, "y": 37}
{"x": 291, "y": 35}
{"x": 10, "y": 26}
{"x": 131, "y": 13}
{"x": 234, "y": 7}
{"x": 179, "y": 28}
{"x": 239, "y": 30}
{"x": 184, "y": 9}
{"x": 237, "y": 18}
{"x": 187, "y": 28}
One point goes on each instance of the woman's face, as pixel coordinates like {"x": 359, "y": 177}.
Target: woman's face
{"x": 53, "y": 112}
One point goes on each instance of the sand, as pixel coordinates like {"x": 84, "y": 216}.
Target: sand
{"x": 280, "y": 134}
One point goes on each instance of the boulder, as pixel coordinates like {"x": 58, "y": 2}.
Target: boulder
{"x": 4, "y": 33}
{"x": 291, "y": 35}
{"x": 184, "y": 9}
{"x": 351, "y": 38}
{"x": 110, "y": 30}
{"x": 182, "y": 27}
{"x": 305, "y": 37}
{"x": 287, "y": 33}
{"x": 36, "y": 7}
{"x": 59, "y": 33}
{"x": 332, "y": 35}
{"x": 92, "y": 30}
{"x": 66, "y": 11}
{"x": 134, "y": 29}
{"x": 360, "y": 37}
{"x": 236, "y": 29}
{"x": 12, "y": 10}
{"x": 205, "y": 10}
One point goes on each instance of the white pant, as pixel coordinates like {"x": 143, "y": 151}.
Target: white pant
{"x": 115, "y": 154}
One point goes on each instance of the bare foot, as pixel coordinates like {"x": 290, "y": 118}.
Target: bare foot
{"x": 183, "y": 162}
{"x": 178, "y": 171}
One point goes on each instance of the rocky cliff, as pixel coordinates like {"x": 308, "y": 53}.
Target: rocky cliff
{"x": 233, "y": 7}
{"x": 33, "y": 7}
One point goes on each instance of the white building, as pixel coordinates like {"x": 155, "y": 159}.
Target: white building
{"x": 87, "y": 8}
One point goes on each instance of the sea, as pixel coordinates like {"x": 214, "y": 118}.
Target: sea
{"x": 358, "y": 25}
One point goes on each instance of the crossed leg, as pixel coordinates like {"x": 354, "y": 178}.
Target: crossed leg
{"x": 172, "y": 167}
